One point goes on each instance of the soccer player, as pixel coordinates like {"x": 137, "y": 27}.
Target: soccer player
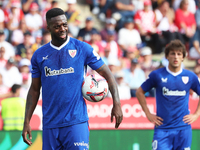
{"x": 59, "y": 68}
{"x": 172, "y": 83}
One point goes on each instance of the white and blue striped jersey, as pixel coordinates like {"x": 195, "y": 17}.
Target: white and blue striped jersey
{"x": 62, "y": 70}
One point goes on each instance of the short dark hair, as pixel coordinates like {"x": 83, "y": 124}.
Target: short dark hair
{"x": 175, "y": 45}
{"x": 15, "y": 87}
{"x": 53, "y": 13}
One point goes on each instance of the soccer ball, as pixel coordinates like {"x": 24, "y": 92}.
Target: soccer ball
{"x": 94, "y": 88}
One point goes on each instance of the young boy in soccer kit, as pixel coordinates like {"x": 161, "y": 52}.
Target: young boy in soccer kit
{"x": 172, "y": 83}
{"x": 59, "y": 68}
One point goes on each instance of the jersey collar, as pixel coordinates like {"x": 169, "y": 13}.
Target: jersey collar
{"x": 61, "y": 46}
{"x": 174, "y": 73}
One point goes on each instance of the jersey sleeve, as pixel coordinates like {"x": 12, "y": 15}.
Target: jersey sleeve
{"x": 196, "y": 84}
{"x": 35, "y": 68}
{"x": 150, "y": 82}
{"x": 92, "y": 57}
{"x": 137, "y": 17}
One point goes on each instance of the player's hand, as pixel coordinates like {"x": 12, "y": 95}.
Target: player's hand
{"x": 154, "y": 119}
{"x": 27, "y": 130}
{"x": 117, "y": 112}
{"x": 189, "y": 119}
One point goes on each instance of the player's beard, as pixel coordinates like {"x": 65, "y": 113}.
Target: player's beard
{"x": 61, "y": 40}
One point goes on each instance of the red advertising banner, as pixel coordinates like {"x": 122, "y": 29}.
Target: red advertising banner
{"x": 100, "y": 115}
{"x": 133, "y": 116}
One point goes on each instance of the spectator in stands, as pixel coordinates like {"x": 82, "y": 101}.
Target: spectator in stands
{"x": 105, "y": 9}
{"x": 38, "y": 42}
{"x": 26, "y": 4}
{"x": 24, "y": 68}
{"x": 46, "y": 37}
{"x": 185, "y": 21}
{"x": 194, "y": 52}
{"x": 45, "y": 6}
{"x": 110, "y": 43}
{"x": 54, "y": 4}
{"x": 13, "y": 110}
{"x": 2, "y": 15}
{"x": 17, "y": 36}
{"x": 146, "y": 25}
{"x": 147, "y": 63}
{"x": 191, "y": 5}
{"x": 85, "y": 33}
{"x": 132, "y": 52}
{"x": 2, "y": 21}
{"x": 29, "y": 53}
{"x": 34, "y": 20}
{"x": 4, "y": 90}
{"x": 25, "y": 85}
{"x": 95, "y": 6}
{"x": 13, "y": 16}
{"x": 139, "y": 5}
{"x": 110, "y": 25}
{"x": 10, "y": 73}
{"x": 99, "y": 6}
{"x": 106, "y": 54}
{"x": 95, "y": 42}
{"x": 123, "y": 87}
{"x": 126, "y": 10}
{"x": 3, "y": 61}
{"x": 114, "y": 65}
{"x": 73, "y": 18}
{"x": 134, "y": 76}
{"x": 165, "y": 23}
{"x": 21, "y": 48}
{"x": 133, "y": 36}
{"x": 9, "y": 49}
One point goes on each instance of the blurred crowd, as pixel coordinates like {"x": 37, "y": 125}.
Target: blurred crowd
{"x": 131, "y": 32}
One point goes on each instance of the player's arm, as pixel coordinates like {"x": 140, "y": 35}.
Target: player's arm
{"x": 32, "y": 99}
{"x": 192, "y": 117}
{"x": 140, "y": 94}
{"x": 116, "y": 110}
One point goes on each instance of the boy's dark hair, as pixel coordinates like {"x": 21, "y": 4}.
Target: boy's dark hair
{"x": 175, "y": 45}
{"x": 53, "y": 13}
{"x": 15, "y": 87}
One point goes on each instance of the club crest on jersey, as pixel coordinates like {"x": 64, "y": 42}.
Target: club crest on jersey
{"x": 185, "y": 79}
{"x": 72, "y": 53}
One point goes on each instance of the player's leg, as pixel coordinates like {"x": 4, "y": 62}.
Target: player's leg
{"x": 183, "y": 139}
{"x": 77, "y": 137}
{"x": 162, "y": 140}
{"x": 50, "y": 139}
